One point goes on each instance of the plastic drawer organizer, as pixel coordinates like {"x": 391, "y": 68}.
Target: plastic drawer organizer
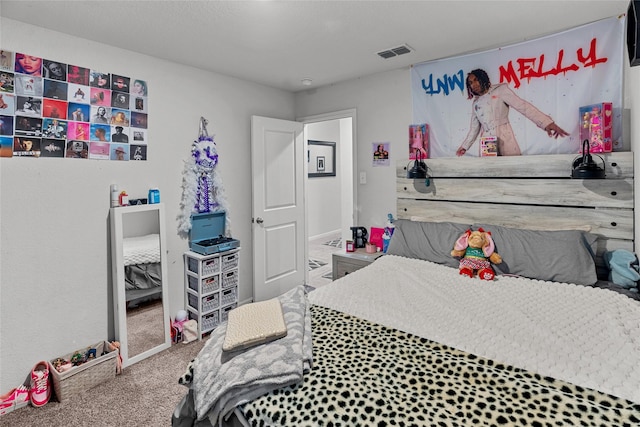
{"x": 211, "y": 287}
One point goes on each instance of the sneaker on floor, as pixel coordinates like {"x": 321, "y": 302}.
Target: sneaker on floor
{"x": 40, "y": 384}
{"x": 15, "y": 399}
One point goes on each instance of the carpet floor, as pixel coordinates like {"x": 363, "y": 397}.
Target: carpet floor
{"x": 146, "y": 393}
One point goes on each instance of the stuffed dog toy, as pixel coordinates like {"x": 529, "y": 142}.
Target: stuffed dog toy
{"x": 476, "y": 251}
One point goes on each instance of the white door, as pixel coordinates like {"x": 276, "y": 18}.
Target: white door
{"x": 279, "y": 228}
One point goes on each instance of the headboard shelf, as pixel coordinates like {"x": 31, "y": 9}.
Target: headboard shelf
{"x": 609, "y": 193}
{"x": 618, "y": 164}
{"x": 531, "y": 192}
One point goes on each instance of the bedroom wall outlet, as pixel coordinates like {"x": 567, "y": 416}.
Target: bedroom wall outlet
{"x": 363, "y": 177}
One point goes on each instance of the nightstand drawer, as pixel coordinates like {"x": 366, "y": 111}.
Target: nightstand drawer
{"x": 346, "y": 263}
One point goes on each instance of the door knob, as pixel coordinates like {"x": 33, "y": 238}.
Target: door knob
{"x": 259, "y": 220}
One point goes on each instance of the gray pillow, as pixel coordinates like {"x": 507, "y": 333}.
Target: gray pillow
{"x": 430, "y": 241}
{"x": 557, "y": 256}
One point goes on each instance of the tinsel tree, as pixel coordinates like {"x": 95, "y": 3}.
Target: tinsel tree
{"x": 202, "y": 188}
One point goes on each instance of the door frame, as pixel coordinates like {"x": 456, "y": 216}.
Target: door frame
{"x": 348, "y": 218}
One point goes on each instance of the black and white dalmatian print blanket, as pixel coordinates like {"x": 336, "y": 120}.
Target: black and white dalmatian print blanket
{"x": 366, "y": 374}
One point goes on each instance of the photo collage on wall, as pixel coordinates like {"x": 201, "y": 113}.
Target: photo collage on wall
{"x": 52, "y": 109}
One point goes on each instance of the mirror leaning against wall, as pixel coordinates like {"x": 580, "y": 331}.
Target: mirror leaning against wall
{"x": 139, "y": 272}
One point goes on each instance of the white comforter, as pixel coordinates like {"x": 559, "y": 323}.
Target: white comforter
{"x": 586, "y": 336}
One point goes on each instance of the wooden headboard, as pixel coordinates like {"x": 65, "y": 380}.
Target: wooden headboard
{"x": 533, "y": 192}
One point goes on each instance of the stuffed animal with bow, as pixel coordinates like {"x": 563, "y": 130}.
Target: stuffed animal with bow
{"x": 476, "y": 251}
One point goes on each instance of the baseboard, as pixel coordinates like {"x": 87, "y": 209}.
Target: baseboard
{"x": 327, "y": 234}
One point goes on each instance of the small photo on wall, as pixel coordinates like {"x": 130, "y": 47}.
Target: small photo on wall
{"x": 119, "y": 134}
{"x": 380, "y": 153}
{"x": 77, "y": 150}
{"x": 7, "y": 103}
{"x": 28, "y": 126}
{"x": 100, "y": 115}
{"x": 138, "y": 104}
{"x": 26, "y": 146}
{"x": 52, "y": 148}
{"x": 54, "y": 70}
{"x": 6, "y": 125}
{"x": 28, "y": 64}
{"x": 139, "y": 88}
{"x": 78, "y": 93}
{"x": 78, "y": 75}
{"x": 7, "y": 82}
{"x": 28, "y": 85}
{"x": 6, "y": 146}
{"x": 100, "y": 97}
{"x": 55, "y": 89}
{"x": 120, "y": 100}
{"x": 6, "y": 60}
{"x": 99, "y": 150}
{"x": 138, "y": 152}
{"x": 99, "y": 79}
{"x": 28, "y": 106}
{"x": 138, "y": 120}
{"x": 120, "y": 83}
{"x": 119, "y": 152}
{"x": 54, "y": 128}
{"x": 120, "y": 117}
{"x": 78, "y": 130}
{"x": 139, "y": 136}
{"x": 54, "y": 108}
{"x": 100, "y": 133}
{"x": 78, "y": 112}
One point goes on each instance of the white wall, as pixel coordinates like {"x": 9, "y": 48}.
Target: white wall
{"x": 324, "y": 205}
{"x": 55, "y": 292}
{"x": 383, "y": 104}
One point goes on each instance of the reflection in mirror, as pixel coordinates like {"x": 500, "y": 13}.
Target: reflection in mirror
{"x": 138, "y": 268}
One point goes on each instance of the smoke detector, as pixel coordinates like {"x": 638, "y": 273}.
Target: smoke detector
{"x": 396, "y": 51}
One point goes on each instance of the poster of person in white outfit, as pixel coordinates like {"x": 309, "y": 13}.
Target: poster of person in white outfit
{"x": 490, "y": 115}
{"x": 526, "y": 95}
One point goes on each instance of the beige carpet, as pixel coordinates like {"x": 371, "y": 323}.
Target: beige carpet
{"x": 144, "y": 395}
{"x": 145, "y": 328}
{"x": 147, "y": 392}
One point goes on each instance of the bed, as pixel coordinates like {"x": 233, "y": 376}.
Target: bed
{"x": 142, "y": 268}
{"x": 409, "y": 341}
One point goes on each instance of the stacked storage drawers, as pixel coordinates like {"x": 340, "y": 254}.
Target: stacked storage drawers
{"x": 211, "y": 287}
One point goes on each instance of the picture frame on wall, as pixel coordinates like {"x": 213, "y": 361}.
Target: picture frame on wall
{"x": 321, "y": 157}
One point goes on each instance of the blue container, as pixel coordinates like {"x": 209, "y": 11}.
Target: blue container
{"x": 154, "y": 196}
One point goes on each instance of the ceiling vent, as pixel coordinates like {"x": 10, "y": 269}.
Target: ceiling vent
{"x": 396, "y": 51}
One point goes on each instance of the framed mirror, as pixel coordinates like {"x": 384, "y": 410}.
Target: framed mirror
{"x": 139, "y": 271}
{"x": 321, "y": 156}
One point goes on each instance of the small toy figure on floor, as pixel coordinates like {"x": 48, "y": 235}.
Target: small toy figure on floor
{"x": 478, "y": 252}
{"x": 202, "y": 185}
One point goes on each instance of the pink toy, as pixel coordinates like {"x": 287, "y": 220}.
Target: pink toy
{"x": 477, "y": 252}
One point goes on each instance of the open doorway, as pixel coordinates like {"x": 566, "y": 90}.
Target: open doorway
{"x": 330, "y": 200}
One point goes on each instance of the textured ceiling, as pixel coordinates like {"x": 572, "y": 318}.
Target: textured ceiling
{"x": 278, "y": 43}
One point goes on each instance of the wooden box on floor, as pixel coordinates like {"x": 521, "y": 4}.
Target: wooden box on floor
{"x": 77, "y": 380}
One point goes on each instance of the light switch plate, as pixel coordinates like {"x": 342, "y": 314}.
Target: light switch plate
{"x": 363, "y": 177}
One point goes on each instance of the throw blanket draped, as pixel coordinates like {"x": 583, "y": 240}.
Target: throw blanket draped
{"x": 223, "y": 380}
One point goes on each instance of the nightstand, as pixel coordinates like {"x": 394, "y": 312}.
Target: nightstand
{"x": 348, "y": 262}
